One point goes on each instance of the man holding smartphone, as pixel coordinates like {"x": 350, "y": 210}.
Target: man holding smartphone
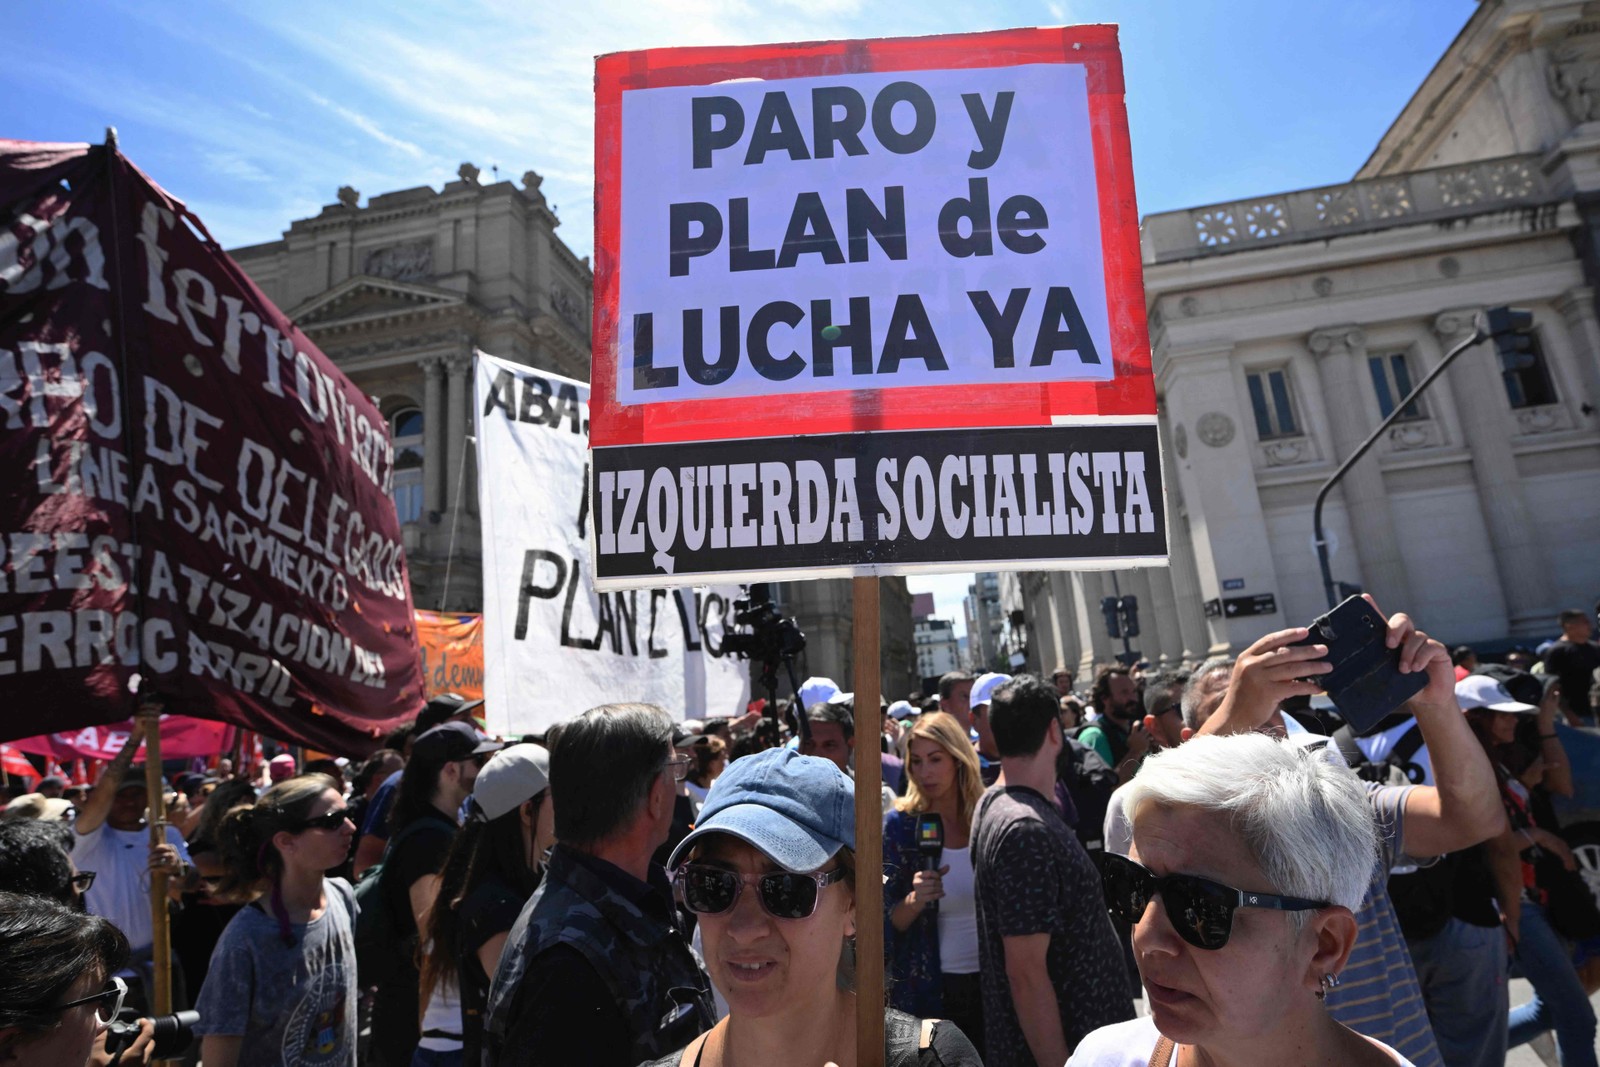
{"x": 1379, "y": 995}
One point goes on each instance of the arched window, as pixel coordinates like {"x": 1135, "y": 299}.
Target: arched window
{"x": 405, "y": 430}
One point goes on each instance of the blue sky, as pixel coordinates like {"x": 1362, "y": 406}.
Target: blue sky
{"x": 255, "y": 113}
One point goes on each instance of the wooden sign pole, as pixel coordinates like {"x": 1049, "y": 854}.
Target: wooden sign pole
{"x": 869, "y": 828}
{"x": 161, "y": 939}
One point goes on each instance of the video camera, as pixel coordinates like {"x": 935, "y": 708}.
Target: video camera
{"x": 173, "y": 1035}
{"x": 762, "y": 635}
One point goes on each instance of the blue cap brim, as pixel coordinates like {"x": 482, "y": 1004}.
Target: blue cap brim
{"x": 785, "y": 842}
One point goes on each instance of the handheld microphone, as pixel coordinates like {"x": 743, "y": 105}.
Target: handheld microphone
{"x": 930, "y": 839}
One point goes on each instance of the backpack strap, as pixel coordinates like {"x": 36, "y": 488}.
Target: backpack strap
{"x": 1162, "y": 1055}
{"x": 1408, "y": 744}
{"x": 1345, "y": 738}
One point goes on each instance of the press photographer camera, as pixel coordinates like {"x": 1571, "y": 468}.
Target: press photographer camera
{"x": 171, "y": 1037}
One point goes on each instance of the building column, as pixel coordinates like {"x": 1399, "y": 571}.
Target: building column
{"x": 1188, "y": 608}
{"x": 1214, "y": 470}
{"x": 1045, "y": 648}
{"x": 1339, "y": 352}
{"x": 433, "y": 434}
{"x": 1583, "y": 330}
{"x": 458, "y": 403}
{"x": 1163, "y": 613}
{"x": 1087, "y": 589}
{"x": 1071, "y": 639}
{"x": 1487, "y": 424}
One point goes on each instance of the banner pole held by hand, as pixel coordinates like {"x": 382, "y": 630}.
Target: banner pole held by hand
{"x": 160, "y": 940}
{"x": 869, "y": 827}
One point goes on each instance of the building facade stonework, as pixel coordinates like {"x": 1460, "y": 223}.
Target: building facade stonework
{"x": 1285, "y": 328}
{"x": 400, "y": 291}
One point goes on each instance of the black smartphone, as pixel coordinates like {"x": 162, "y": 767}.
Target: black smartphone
{"x": 1365, "y": 684}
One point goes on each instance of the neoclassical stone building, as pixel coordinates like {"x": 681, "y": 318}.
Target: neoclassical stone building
{"x": 399, "y": 291}
{"x": 1285, "y": 327}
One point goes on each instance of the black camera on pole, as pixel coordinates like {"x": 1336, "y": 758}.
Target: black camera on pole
{"x": 764, "y": 636}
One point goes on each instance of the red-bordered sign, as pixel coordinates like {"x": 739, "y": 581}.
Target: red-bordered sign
{"x": 1129, "y": 396}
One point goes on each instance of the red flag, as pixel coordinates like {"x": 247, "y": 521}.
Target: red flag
{"x": 193, "y": 499}
{"x": 15, "y": 764}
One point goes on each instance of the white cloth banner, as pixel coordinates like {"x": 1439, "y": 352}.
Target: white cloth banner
{"x": 553, "y": 647}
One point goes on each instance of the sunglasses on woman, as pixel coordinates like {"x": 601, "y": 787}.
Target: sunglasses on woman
{"x": 330, "y": 820}
{"x": 82, "y": 881}
{"x": 1200, "y": 910}
{"x": 107, "y": 1002}
{"x": 708, "y": 890}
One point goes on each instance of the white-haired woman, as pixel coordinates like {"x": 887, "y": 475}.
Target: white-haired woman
{"x": 1249, "y": 856}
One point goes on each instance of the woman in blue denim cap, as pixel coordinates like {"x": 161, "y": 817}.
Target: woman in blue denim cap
{"x": 770, "y": 872}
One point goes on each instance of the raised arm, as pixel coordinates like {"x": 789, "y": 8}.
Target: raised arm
{"x": 1463, "y": 806}
{"x": 97, "y": 805}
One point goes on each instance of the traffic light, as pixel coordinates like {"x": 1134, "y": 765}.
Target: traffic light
{"x": 1130, "y": 615}
{"x": 1108, "y": 608}
{"x": 1512, "y": 330}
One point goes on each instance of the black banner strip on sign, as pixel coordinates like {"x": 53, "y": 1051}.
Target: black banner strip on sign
{"x": 878, "y": 502}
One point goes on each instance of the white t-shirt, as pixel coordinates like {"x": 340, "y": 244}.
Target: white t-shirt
{"x": 120, "y": 860}
{"x": 958, "y": 915}
{"x": 1131, "y": 1044}
{"x": 444, "y": 1015}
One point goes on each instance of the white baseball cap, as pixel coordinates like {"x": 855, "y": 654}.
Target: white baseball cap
{"x": 985, "y": 686}
{"x": 1482, "y": 691}
{"x": 817, "y": 691}
{"x": 512, "y": 775}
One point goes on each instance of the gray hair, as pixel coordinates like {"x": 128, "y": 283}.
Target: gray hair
{"x": 1190, "y": 704}
{"x": 1303, "y": 816}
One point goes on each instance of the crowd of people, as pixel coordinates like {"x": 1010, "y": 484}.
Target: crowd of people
{"x": 632, "y": 887}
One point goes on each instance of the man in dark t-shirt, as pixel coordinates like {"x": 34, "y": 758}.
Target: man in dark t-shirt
{"x": 1574, "y": 659}
{"x": 1051, "y": 967}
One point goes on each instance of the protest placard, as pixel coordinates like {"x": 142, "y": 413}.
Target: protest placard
{"x": 195, "y": 499}
{"x": 869, "y": 307}
{"x": 553, "y": 646}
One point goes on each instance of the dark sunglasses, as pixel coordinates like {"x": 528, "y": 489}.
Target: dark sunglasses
{"x": 107, "y": 1002}
{"x": 708, "y": 890}
{"x": 82, "y": 881}
{"x": 1200, "y": 910}
{"x": 331, "y": 820}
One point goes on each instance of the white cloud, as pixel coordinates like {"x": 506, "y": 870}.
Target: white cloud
{"x": 503, "y": 82}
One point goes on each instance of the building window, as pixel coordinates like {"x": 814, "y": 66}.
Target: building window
{"x": 1269, "y": 400}
{"x": 1530, "y": 386}
{"x": 405, "y": 430}
{"x": 1391, "y": 380}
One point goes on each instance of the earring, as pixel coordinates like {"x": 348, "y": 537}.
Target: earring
{"x": 1326, "y": 984}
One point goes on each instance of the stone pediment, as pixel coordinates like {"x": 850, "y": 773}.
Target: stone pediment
{"x": 365, "y": 298}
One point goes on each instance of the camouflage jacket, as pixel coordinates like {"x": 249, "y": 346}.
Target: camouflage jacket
{"x": 654, "y": 976}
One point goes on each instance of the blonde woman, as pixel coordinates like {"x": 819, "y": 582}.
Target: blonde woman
{"x": 931, "y": 931}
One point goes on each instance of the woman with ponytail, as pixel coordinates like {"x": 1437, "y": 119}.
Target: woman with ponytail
{"x": 494, "y": 866}
{"x": 282, "y": 983}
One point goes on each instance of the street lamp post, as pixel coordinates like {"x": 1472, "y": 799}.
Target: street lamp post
{"x": 1503, "y": 324}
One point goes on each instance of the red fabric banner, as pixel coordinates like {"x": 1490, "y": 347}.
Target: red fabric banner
{"x": 195, "y": 499}
{"x": 181, "y": 738}
{"x": 16, "y": 765}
